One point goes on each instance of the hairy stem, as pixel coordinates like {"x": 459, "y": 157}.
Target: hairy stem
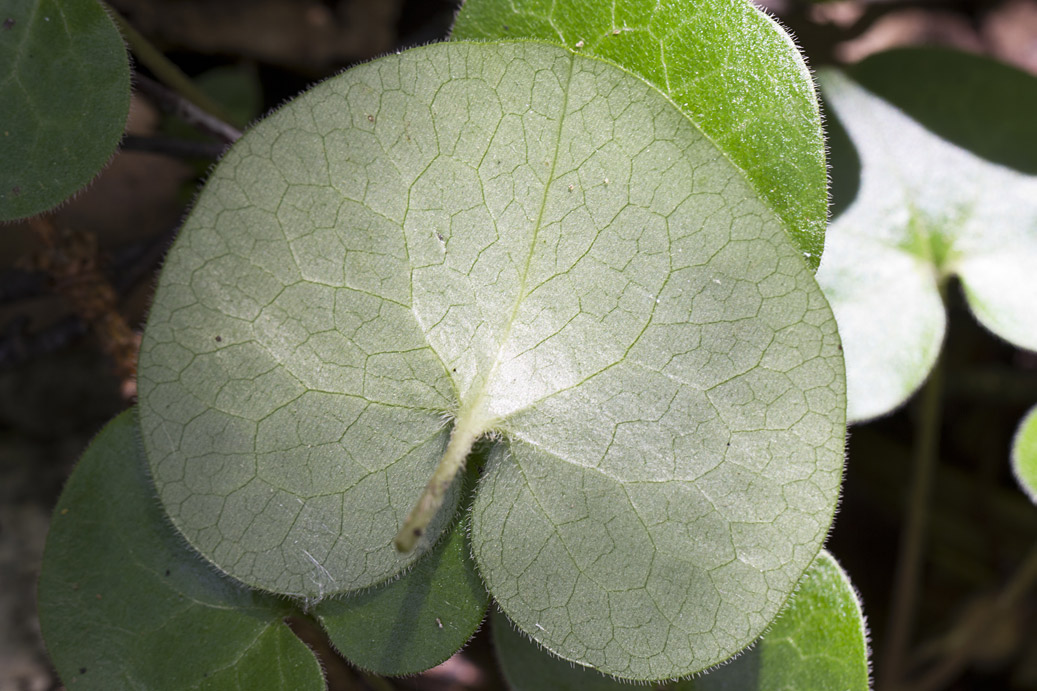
{"x": 912, "y": 536}
{"x": 468, "y": 428}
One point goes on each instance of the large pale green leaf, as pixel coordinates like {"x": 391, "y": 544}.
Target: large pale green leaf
{"x": 65, "y": 90}
{"x": 1024, "y": 454}
{"x": 505, "y": 239}
{"x": 819, "y": 641}
{"x": 123, "y": 604}
{"x": 413, "y": 623}
{"x": 925, "y": 210}
{"x": 728, "y": 66}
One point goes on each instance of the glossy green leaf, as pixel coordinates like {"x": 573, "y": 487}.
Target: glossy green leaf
{"x": 512, "y": 241}
{"x": 1024, "y": 455}
{"x": 819, "y": 641}
{"x": 925, "y": 210}
{"x": 123, "y": 604}
{"x": 414, "y": 623}
{"x": 728, "y": 66}
{"x": 65, "y": 90}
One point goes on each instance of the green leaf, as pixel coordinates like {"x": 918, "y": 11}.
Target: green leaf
{"x": 926, "y": 210}
{"x": 819, "y": 641}
{"x": 123, "y": 604}
{"x": 539, "y": 248}
{"x": 413, "y": 623}
{"x": 65, "y": 86}
{"x": 728, "y": 66}
{"x": 1024, "y": 454}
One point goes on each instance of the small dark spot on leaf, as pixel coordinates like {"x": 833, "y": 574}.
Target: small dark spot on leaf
{"x": 370, "y": 118}
{"x": 8, "y": 23}
{"x": 219, "y": 339}
{"x": 82, "y": 670}
{"x": 505, "y": 27}
{"x": 167, "y": 572}
{"x": 16, "y": 190}
{"x": 455, "y": 369}
{"x": 418, "y": 532}
{"x": 729, "y": 443}
{"x": 840, "y": 346}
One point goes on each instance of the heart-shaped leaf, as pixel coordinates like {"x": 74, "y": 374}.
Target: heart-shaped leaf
{"x": 534, "y": 246}
{"x": 65, "y": 90}
{"x": 926, "y": 210}
{"x": 728, "y": 66}
{"x": 124, "y": 605}
{"x": 819, "y": 641}
{"x": 1024, "y": 454}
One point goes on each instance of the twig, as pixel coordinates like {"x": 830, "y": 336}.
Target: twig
{"x": 1008, "y": 599}
{"x": 163, "y": 68}
{"x": 173, "y": 103}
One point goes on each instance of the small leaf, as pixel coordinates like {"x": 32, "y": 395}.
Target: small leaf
{"x": 926, "y": 210}
{"x": 819, "y": 641}
{"x": 65, "y": 89}
{"x": 972, "y": 101}
{"x": 728, "y": 66}
{"x": 124, "y": 605}
{"x": 414, "y": 623}
{"x": 541, "y": 249}
{"x": 1024, "y": 455}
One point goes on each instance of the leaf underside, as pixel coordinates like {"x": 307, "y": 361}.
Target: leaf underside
{"x": 538, "y": 245}
{"x": 65, "y": 90}
{"x": 728, "y": 66}
{"x": 926, "y": 210}
{"x": 819, "y": 641}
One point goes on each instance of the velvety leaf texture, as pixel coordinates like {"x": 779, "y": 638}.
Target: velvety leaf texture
{"x": 123, "y": 604}
{"x": 925, "y": 210}
{"x": 502, "y": 239}
{"x": 65, "y": 90}
{"x": 728, "y": 66}
{"x": 1024, "y": 455}
{"x": 819, "y": 641}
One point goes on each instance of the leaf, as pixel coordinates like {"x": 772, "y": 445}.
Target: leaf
{"x": 413, "y": 623}
{"x": 65, "y": 86}
{"x": 124, "y": 605}
{"x": 540, "y": 248}
{"x": 1024, "y": 455}
{"x": 926, "y": 210}
{"x": 818, "y": 641}
{"x": 728, "y": 66}
{"x": 975, "y": 102}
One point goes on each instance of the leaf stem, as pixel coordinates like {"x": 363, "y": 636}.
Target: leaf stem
{"x": 468, "y": 428}
{"x": 912, "y": 537}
